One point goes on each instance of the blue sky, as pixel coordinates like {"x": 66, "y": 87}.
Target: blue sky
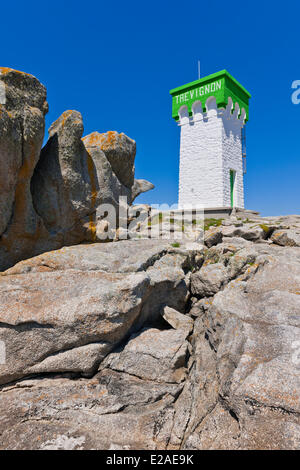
{"x": 115, "y": 62}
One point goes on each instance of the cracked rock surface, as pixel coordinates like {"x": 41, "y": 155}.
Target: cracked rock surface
{"x": 141, "y": 345}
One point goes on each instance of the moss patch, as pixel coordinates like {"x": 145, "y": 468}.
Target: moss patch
{"x": 175, "y": 245}
{"x": 212, "y": 223}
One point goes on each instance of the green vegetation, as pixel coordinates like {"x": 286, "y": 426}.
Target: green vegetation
{"x": 265, "y": 228}
{"x": 212, "y": 223}
{"x": 175, "y": 245}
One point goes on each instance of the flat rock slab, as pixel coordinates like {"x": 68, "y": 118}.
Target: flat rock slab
{"x": 110, "y": 411}
{"x": 64, "y": 311}
{"x": 153, "y": 355}
{"x": 119, "y": 257}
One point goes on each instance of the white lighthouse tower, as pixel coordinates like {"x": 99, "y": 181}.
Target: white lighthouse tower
{"x": 212, "y": 113}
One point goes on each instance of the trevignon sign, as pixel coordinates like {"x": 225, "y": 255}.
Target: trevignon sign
{"x": 221, "y": 85}
{"x": 198, "y": 92}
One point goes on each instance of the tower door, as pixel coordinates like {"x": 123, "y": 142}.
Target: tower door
{"x": 232, "y": 188}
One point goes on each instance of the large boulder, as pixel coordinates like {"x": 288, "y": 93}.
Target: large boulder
{"x": 153, "y": 354}
{"x": 111, "y": 186}
{"x": 21, "y": 136}
{"x": 113, "y": 410}
{"x": 252, "y": 329}
{"x": 120, "y": 151}
{"x": 91, "y": 317}
{"x": 286, "y": 237}
{"x": 209, "y": 280}
{"x": 65, "y": 310}
{"x": 139, "y": 187}
{"x": 55, "y": 196}
{"x": 65, "y": 186}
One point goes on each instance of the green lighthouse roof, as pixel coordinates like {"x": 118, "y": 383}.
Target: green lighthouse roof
{"x": 221, "y": 85}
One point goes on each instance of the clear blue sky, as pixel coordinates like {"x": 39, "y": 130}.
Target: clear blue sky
{"x": 116, "y": 61}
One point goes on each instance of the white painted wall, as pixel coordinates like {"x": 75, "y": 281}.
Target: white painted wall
{"x": 210, "y": 146}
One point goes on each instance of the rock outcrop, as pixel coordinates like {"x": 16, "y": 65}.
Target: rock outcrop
{"x": 190, "y": 342}
{"x": 64, "y": 187}
{"x": 139, "y": 187}
{"x": 180, "y": 348}
{"x": 65, "y": 310}
{"x": 52, "y": 197}
{"x": 22, "y": 126}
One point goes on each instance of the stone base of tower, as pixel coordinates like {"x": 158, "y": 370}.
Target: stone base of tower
{"x": 220, "y": 212}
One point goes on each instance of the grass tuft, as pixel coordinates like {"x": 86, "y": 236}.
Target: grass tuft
{"x": 212, "y": 223}
{"x": 175, "y": 245}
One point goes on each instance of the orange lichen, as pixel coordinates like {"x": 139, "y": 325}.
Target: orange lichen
{"x": 21, "y": 204}
{"x": 64, "y": 117}
{"x": 93, "y": 139}
{"x": 5, "y": 70}
{"x": 105, "y": 141}
{"x": 94, "y": 193}
{"x": 23, "y": 178}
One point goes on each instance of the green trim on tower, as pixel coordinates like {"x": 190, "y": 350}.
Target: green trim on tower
{"x": 232, "y": 178}
{"x": 222, "y": 85}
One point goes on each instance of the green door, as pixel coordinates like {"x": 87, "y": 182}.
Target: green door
{"x": 232, "y": 178}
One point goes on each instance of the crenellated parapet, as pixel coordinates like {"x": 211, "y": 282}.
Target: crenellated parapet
{"x": 231, "y": 113}
{"x": 222, "y": 86}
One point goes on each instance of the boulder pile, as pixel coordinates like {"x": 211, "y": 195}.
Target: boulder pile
{"x": 49, "y": 197}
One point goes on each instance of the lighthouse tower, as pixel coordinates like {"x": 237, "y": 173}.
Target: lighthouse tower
{"x": 212, "y": 113}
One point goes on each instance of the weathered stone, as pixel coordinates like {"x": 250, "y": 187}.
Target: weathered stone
{"x": 111, "y": 187}
{"x": 120, "y": 257}
{"x": 65, "y": 310}
{"x": 218, "y": 430}
{"x": 253, "y": 327}
{"x": 250, "y": 232}
{"x": 177, "y": 320}
{"x": 97, "y": 317}
{"x": 209, "y": 280}
{"x": 213, "y": 236}
{"x": 200, "y": 392}
{"x": 286, "y": 237}
{"x": 200, "y": 306}
{"x": 66, "y": 414}
{"x": 120, "y": 151}
{"x": 10, "y": 164}
{"x": 139, "y": 187}
{"x": 152, "y": 354}
{"x": 56, "y": 196}
{"x": 65, "y": 187}
{"x": 22, "y": 131}
{"x": 84, "y": 359}
{"x": 43, "y": 314}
